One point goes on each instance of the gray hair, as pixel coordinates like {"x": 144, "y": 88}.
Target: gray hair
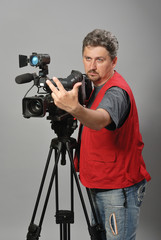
{"x": 104, "y": 39}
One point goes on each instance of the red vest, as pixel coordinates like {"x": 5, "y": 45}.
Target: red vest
{"x": 113, "y": 159}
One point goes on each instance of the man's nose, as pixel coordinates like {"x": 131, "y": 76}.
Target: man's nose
{"x": 93, "y": 65}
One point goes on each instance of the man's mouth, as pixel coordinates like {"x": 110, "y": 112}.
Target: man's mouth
{"x": 92, "y": 73}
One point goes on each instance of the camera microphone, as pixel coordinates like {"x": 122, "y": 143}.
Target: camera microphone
{"x": 25, "y": 78}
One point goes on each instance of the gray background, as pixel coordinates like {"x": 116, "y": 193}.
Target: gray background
{"x": 57, "y": 28}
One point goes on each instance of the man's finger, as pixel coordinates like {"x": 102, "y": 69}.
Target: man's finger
{"x": 58, "y": 83}
{"x": 51, "y": 86}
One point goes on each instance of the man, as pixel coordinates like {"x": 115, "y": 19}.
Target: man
{"x": 110, "y": 161}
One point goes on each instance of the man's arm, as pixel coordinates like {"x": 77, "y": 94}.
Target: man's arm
{"x": 68, "y": 101}
{"x": 94, "y": 119}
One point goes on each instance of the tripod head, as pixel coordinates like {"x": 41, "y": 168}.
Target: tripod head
{"x": 64, "y": 126}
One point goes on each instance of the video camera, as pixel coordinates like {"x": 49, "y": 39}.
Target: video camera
{"x": 39, "y": 105}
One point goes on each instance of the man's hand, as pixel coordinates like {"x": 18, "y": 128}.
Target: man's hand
{"x": 66, "y": 100}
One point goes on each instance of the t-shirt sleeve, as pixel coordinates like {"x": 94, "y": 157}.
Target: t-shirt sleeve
{"x": 116, "y": 102}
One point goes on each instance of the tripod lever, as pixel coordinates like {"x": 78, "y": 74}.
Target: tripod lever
{"x": 96, "y": 232}
{"x": 33, "y": 232}
{"x": 64, "y": 216}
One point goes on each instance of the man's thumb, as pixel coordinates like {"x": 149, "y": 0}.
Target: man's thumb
{"x": 77, "y": 85}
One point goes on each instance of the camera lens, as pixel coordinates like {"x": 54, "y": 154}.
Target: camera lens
{"x": 35, "y": 107}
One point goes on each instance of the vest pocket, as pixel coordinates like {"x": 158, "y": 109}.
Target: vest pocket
{"x": 99, "y": 168}
{"x": 103, "y": 157}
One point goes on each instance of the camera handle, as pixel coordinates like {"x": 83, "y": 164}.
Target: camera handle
{"x": 63, "y": 217}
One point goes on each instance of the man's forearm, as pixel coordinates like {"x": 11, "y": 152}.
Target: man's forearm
{"x": 94, "y": 119}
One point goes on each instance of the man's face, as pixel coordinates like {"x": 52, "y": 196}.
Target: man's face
{"x": 98, "y": 64}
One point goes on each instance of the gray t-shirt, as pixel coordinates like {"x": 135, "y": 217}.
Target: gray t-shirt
{"x": 116, "y": 102}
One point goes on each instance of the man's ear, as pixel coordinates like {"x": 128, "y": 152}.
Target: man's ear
{"x": 114, "y": 62}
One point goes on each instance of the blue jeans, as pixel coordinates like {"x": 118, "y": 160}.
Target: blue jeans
{"x": 118, "y": 210}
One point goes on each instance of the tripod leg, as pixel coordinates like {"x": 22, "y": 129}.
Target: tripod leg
{"x": 50, "y": 184}
{"x": 96, "y": 232}
{"x": 92, "y": 205}
{"x": 41, "y": 185}
{"x": 77, "y": 183}
{"x": 34, "y": 230}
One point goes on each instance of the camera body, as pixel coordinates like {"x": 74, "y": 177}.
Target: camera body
{"x": 42, "y": 103}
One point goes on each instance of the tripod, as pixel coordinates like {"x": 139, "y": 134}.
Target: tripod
{"x": 64, "y": 143}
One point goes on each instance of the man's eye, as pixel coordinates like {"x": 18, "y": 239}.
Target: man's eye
{"x": 100, "y": 60}
{"x": 88, "y": 58}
